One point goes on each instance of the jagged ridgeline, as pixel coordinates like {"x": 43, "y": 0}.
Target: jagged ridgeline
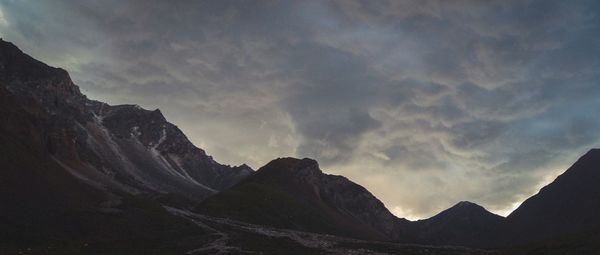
{"x": 78, "y": 176}
{"x": 123, "y": 147}
{"x": 75, "y": 170}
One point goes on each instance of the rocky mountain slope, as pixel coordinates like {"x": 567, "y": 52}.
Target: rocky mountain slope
{"x": 81, "y": 176}
{"x": 48, "y": 209}
{"x": 124, "y": 147}
{"x": 295, "y": 194}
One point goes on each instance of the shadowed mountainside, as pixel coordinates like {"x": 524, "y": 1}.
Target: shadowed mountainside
{"x": 296, "y": 194}
{"x": 464, "y": 224}
{"x": 570, "y": 205}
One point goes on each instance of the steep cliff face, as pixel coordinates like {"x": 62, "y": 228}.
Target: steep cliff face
{"x": 150, "y": 129}
{"x": 120, "y": 148}
{"x": 296, "y": 194}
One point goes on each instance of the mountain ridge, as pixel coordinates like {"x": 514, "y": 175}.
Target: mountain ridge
{"x": 331, "y": 201}
{"x": 122, "y": 147}
{"x": 102, "y": 172}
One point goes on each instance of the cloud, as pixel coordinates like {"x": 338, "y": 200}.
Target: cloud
{"x": 425, "y": 103}
{"x": 3, "y": 21}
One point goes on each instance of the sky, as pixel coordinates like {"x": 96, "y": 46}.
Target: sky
{"x": 425, "y": 103}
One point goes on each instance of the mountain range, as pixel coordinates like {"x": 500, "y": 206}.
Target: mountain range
{"x": 81, "y": 176}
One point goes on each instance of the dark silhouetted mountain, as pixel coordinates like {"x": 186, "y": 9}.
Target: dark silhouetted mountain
{"x": 295, "y": 194}
{"x": 464, "y": 224}
{"x": 563, "y": 214}
{"x": 567, "y": 206}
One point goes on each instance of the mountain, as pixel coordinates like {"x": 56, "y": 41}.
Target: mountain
{"x": 561, "y": 218}
{"x": 78, "y": 176}
{"x": 75, "y": 171}
{"x": 121, "y": 148}
{"x": 295, "y": 194}
{"x": 464, "y": 224}
{"x": 570, "y": 205}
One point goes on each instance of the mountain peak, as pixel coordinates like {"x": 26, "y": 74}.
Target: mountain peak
{"x": 292, "y": 164}
{"x": 24, "y": 75}
{"x": 465, "y": 223}
{"x": 467, "y": 205}
{"x": 244, "y": 167}
{"x": 592, "y": 153}
{"x": 294, "y": 193}
{"x": 584, "y": 168}
{"x": 594, "y": 150}
{"x": 6, "y": 45}
{"x": 464, "y": 209}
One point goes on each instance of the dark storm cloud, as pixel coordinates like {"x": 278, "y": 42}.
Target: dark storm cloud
{"x": 424, "y": 102}
{"x": 330, "y": 101}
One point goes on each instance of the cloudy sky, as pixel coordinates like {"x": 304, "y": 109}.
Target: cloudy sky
{"x": 425, "y": 103}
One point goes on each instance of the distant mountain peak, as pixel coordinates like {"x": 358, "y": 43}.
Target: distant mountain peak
{"x": 465, "y": 223}
{"x": 465, "y": 209}
{"x": 467, "y": 205}
{"x": 245, "y": 168}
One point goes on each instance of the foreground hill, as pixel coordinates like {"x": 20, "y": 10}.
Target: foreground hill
{"x": 295, "y": 194}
